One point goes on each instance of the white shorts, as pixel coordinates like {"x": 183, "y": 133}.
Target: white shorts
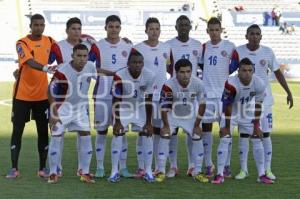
{"x": 213, "y": 110}
{"x": 103, "y": 114}
{"x": 232, "y": 125}
{"x": 137, "y": 119}
{"x": 266, "y": 120}
{"x": 75, "y": 119}
{"x": 156, "y": 116}
{"x": 245, "y": 128}
{"x": 187, "y": 125}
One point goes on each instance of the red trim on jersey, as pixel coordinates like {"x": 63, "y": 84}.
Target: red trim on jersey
{"x": 117, "y": 87}
{"x": 59, "y": 88}
{"x": 55, "y": 54}
{"x": 228, "y": 94}
{"x": 234, "y": 62}
{"x": 166, "y": 97}
{"x": 230, "y": 87}
{"x": 95, "y": 53}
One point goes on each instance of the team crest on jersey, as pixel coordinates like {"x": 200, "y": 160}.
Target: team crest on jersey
{"x": 224, "y": 53}
{"x": 88, "y": 80}
{"x": 165, "y": 55}
{"x": 54, "y": 128}
{"x": 263, "y": 62}
{"x": 20, "y": 51}
{"x": 252, "y": 94}
{"x": 143, "y": 88}
{"x": 192, "y": 95}
{"x": 124, "y": 53}
{"x": 195, "y": 52}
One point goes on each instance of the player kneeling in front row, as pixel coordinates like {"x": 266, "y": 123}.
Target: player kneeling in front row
{"x": 69, "y": 109}
{"x": 183, "y": 105}
{"x": 132, "y": 104}
{"x": 242, "y": 101}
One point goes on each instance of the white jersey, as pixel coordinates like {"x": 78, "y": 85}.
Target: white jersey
{"x": 113, "y": 57}
{"x": 132, "y": 91}
{"x": 264, "y": 60}
{"x": 156, "y": 60}
{"x": 70, "y": 87}
{"x": 61, "y": 51}
{"x": 216, "y": 60}
{"x": 191, "y": 50}
{"x": 182, "y": 100}
{"x": 243, "y": 97}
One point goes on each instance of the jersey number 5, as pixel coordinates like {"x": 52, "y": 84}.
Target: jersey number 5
{"x": 113, "y": 58}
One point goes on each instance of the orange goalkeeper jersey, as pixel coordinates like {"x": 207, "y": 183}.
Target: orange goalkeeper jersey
{"x": 32, "y": 84}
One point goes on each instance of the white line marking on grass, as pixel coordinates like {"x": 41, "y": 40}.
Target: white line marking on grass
{"x": 6, "y": 102}
{"x": 279, "y": 95}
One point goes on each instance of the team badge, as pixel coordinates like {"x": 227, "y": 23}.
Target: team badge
{"x": 54, "y": 128}
{"x": 143, "y": 88}
{"x": 192, "y": 95}
{"x": 88, "y": 80}
{"x": 20, "y": 51}
{"x": 224, "y": 53}
{"x": 252, "y": 94}
{"x": 263, "y": 62}
{"x": 165, "y": 55}
{"x": 124, "y": 53}
{"x": 195, "y": 52}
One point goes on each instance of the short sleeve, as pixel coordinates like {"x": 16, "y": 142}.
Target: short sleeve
{"x": 229, "y": 94}
{"x": 260, "y": 89}
{"x": 166, "y": 97}
{"x": 273, "y": 63}
{"x": 24, "y": 52}
{"x": 117, "y": 86}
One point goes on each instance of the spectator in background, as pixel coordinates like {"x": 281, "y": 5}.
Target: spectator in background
{"x": 186, "y": 7}
{"x": 266, "y": 18}
{"x": 284, "y": 28}
{"x": 287, "y": 29}
{"x": 239, "y": 8}
{"x": 273, "y": 16}
{"x": 292, "y": 29}
{"x": 277, "y": 16}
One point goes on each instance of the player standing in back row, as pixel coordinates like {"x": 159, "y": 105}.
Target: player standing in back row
{"x": 216, "y": 58}
{"x": 156, "y": 59}
{"x": 264, "y": 62}
{"x": 183, "y": 47}
{"x": 114, "y": 52}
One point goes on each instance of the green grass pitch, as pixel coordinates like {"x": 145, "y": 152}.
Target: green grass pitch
{"x": 286, "y": 160}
